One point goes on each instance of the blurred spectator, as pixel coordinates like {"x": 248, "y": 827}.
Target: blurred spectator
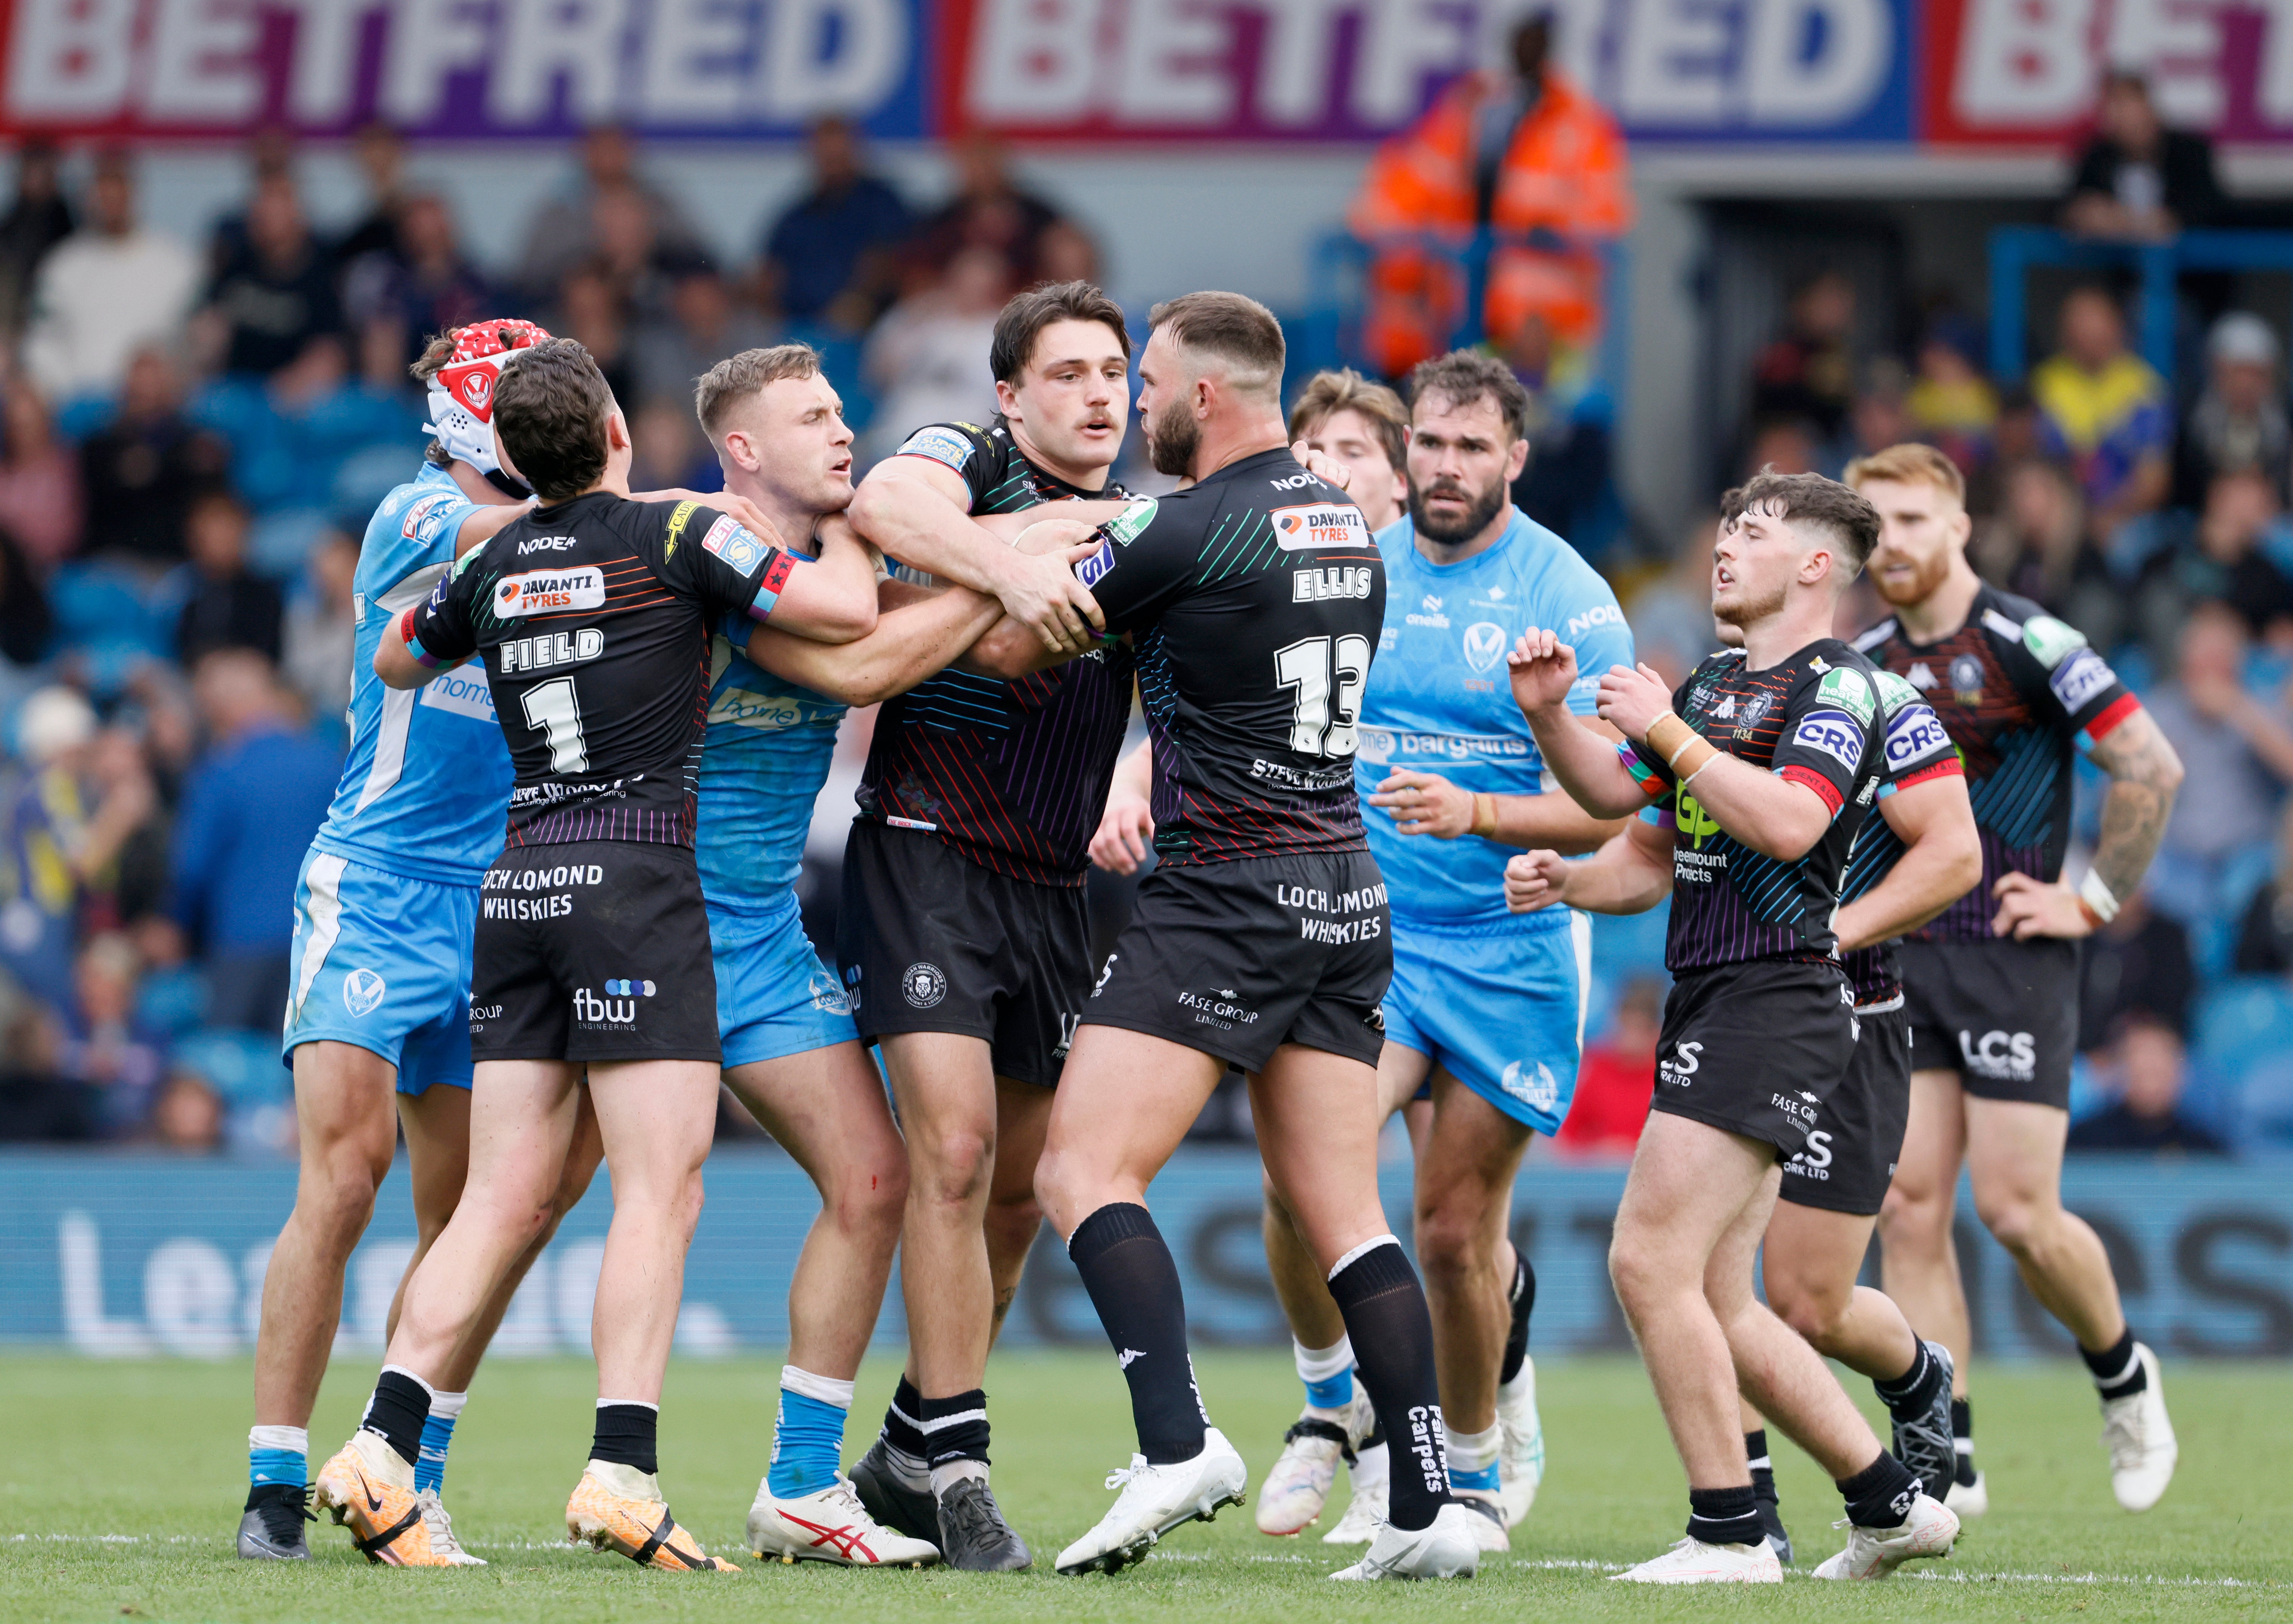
{"x": 37, "y": 1102}
{"x": 2230, "y": 556}
{"x": 40, "y": 501}
{"x": 251, "y": 808}
{"x": 1617, "y": 1077}
{"x": 669, "y": 453}
{"x": 291, "y": 433}
{"x": 926, "y": 360}
{"x": 26, "y": 622}
{"x": 630, "y": 256}
{"x": 270, "y": 157}
{"x": 2037, "y": 547}
{"x": 105, "y": 1048}
{"x": 1066, "y": 253}
{"x": 36, "y": 221}
{"x": 564, "y": 231}
{"x": 1808, "y": 372}
{"x": 66, "y": 829}
{"x": 320, "y": 634}
{"x": 1564, "y": 486}
{"x": 1522, "y": 152}
{"x": 828, "y": 257}
{"x": 2149, "y": 1070}
{"x": 225, "y": 605}
{"x": 106, "y": 291}
{"x": 2239, "y": 423}
{"x": 990, "y": 210}
{"x": 425, "y": 284}
{"x": 141, "y": 471}
{"x": 1882, "y": 416}
{"x": 2106, "y": 410}
{"x": 381, "y": 158}
{"x": 705, "y": 324}
{"x": 1787, "y": 445}
{"x": 187, "y": 1115}
{"x": 2236, "y": 755}
{"x": 588, "y": 310}
{"x": 2139, "y": 964}
{"x": 1952, "y": 405}
{"x": 269, "y": 300}
{"x": 1672, "y": 616}
{"x": 128, "y": 890}
{"x": 2136, "y": 180}
{"x": 2264, "y": 937}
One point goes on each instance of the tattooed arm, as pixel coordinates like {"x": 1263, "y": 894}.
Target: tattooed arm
{"x": 2145, "y": 773}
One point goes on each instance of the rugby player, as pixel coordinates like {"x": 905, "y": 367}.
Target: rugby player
{"x": 591, "y": 967}
{"x": 963, "y": 936}
{"x": 1991, "y": 986}
{"x": 792, "y": 1055}
{"x": 1761, "y": 767}
{"x": 1260, "y": 941}
{"x": 380, "y": 1000}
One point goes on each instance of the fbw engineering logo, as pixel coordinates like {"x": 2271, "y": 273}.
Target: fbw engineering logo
{"x": 618, "y": 1007}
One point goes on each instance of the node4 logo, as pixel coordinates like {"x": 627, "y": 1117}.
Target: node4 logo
{"x": 362, "y": 991}
{"x": 618, "y": 1007}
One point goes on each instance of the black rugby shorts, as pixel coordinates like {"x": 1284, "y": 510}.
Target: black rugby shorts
{"x": 1849, "y": 1158}
{"x": 2003, "y": 1014}
{"x": 1755, "y": 1049}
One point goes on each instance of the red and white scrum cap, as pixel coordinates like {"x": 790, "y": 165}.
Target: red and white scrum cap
{"x": 462, "y": 394}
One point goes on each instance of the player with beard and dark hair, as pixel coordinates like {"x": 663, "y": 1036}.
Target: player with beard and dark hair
{"x": 1991, "y": 986}
{"x": 1760, "y": 769}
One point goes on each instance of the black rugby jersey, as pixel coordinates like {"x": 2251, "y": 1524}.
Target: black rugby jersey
{"x": 2016, "y": 688}
{"x": 1812, "y": 719}
{"x": 594, "y": 617}
{"x": 1255, "y": 598}
{"x": 1917, "y": 749}
{"x": 1013, "y": 774}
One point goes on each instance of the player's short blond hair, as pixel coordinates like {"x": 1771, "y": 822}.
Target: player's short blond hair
{"x": 1329, "y": 392}
{"x": 1909, "y": 463}
{"x": 736, "y": 377}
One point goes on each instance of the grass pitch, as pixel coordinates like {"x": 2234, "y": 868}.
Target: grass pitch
{"x": 124, "y": 1483}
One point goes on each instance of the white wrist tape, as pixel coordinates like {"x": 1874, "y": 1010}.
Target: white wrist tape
{"x": 2098, "y": 896}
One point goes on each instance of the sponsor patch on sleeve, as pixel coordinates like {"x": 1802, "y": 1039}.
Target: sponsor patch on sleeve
{"x": 2051, "y": 641}
{"x": 942, "y": 444}
{"x": 1849, "y": 689}
{"x": 1093, "y": 569}
{"x": 1835, "y": 733}
{"x": 1916, "y": 736}
{"x": 426, "y": 516}
{"x": 734, "y": 541}
{"x": 1124, "y": 527}
{"x": 2080, "y": 677}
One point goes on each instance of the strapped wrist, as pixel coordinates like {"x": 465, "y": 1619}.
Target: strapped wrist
{"x": 2097, "y": 900}
{"x": 1485, "y": 815}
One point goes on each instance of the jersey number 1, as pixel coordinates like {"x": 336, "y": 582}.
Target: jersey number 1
{"x": 552, "y": 711}
{"x": 1306, "y": 667}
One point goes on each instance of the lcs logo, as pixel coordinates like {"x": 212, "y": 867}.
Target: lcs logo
{"x": 1682, "y": 1066}
{"x": 2006, "y": 1054}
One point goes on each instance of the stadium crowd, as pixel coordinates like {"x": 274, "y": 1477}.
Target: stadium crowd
{"x": 191, "y": 435}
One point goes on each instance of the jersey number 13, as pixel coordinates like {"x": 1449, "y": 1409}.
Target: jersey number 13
{"x": 1319, "y": 671}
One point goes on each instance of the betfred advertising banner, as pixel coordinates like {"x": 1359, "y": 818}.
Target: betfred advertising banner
{"x": 1960, "y": 73}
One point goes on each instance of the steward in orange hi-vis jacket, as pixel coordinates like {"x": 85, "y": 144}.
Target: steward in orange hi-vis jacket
{"x": 1520, "y": 152}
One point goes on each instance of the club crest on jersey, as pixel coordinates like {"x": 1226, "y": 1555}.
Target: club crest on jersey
{"x": 731, "y": 540}
{"x": 1484, "y": 644}
{"x": 1310, "y": 528}
{"x": 543, "y": 592}
{"x": 1966, "y": 679}
{"x": 362, "y": 991}
{"x": 1754, "y": 712}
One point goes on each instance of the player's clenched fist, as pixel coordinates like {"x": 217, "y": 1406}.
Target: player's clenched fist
{"x": 1534, "y": 880}
{"x": 1630, "y": 699}
{"x": 1543, "y": 670}
{"x": 1125, "y": 831}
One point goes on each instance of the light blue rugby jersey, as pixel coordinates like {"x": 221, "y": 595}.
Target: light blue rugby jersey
{"x": 768, "y": 753}
{"x": 425, "y": 788}
{"x": 1440, "y": 700}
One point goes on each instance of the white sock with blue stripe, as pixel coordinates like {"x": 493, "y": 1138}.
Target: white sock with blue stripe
{"x": 437, "y": 1434}
{"x": 1328, "y": 1372}
{"x": 277, "y": 1455}
{"x": 1474, "y": 1459}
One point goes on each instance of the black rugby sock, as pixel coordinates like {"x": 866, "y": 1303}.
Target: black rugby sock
{"x": 1522, "y": 1296}
{"x": 1962, "y": 1429}
{"x": 1914, "y": 1390}
{"x": 1880, "y": 1495}
{"x": 628, "y": 1435}
{"x": 1133, "y": 1282}
{"x": 1384, "y": 1308}
{"x": 1724, "y": 1516}
{"x": 900, "y": 1419}
{"x": 1764, "y": 1465}
{"x": 955, "y": 1428}
{"x": 400, "y": 1404}
{"x": 2117, "y": 1372}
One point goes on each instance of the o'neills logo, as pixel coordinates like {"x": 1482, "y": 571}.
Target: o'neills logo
{"x": 545, "y": 592}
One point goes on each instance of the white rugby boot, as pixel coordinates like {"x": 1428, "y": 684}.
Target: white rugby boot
{"x": 1489, "y": 1526}
{"x": 1448, "y": 1547}
{"x": 1873, "y": 1552}
{"x": 2140, "y": 1439}
{"x": 1372, "y": 1478}
{"x": 1520, "y": 1466}
{"x": 440, "y": 1527}
{"x": 1154, "y": 1500}
{"x": 829, "y": 1525}
{"x": 1693, "y": 1562}
{"x": 1971, "y": 1500}
{"x": 1296, "y": 1488}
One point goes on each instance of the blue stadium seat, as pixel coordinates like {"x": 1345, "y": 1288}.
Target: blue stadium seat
{"x": 2243, "y": 1073}
{"x": 173, "y": 1001}
{"x": 242, "y": 1067}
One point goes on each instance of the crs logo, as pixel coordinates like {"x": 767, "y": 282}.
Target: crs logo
{"x": 2003, "y": 1054}
{"x": 1606, "y": 614}
{"x": 1682, "y": 1066}
{"x": 1484, "y": 643}
{"x": 1915, "y": 734}
{"x": 1835, "y": 733}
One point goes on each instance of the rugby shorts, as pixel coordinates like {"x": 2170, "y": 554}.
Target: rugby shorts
{"x": 1499, "y": 1004}
{"x": 1755, "y": 1049}
{"x": 593, "y": 950}
{"x": 928, "y": 940}
{"x": 382, "y": 962}
{"x": 2003, "y": 1014}
{"x": 1237, "y": 958}
{"x": 775, "y": 997}
{"x": 1849, "y": 1158}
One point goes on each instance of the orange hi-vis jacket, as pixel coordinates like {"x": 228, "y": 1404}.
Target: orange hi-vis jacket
{"x": 1565, "y": 172}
